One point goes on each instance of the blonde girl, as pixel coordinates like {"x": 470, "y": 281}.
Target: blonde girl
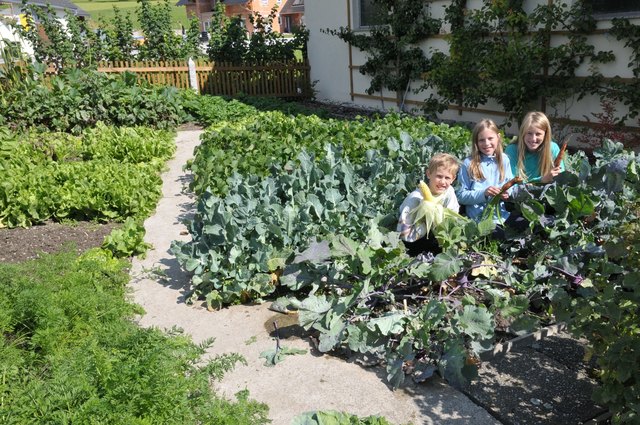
{"x": 533, "y": 154}
{"x": 484, "y": 172}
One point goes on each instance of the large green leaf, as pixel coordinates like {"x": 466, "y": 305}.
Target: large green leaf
{"x": 476, "y": 321}
{"x": 332, "y": 337}
{"x": 278, "y": 354}
{"x": 312, "y": 309}
{"x": 445, "y": 266}
{"x": 343, "y": 246}
{"x": 388, "y": 324}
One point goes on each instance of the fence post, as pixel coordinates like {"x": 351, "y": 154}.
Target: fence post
{"x": 193, "y": 80}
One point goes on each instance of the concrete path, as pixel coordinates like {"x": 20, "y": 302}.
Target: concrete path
{"x": 300, "y": 383}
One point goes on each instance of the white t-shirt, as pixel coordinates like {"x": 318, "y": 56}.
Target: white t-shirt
{"x": 411, "y": 232}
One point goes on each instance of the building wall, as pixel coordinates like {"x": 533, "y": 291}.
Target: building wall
{"x": 9, "y": 34}
{"x": 330, "y": 60}
{"x": 328, "y": 55}
{"x": 202, "y": 10}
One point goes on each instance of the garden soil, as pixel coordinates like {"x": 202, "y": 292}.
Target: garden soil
{"x": 538, "y": 382}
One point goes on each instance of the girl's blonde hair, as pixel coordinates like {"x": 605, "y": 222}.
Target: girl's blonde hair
{"x": 545, "y": 161}
{"x": 475, "y": 171}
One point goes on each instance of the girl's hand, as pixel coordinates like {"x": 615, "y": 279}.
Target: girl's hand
{"x": 492, "y": 191}
{"x": 548, "y": 178}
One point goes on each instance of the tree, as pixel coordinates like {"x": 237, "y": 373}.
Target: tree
{"x": 160, "y": 42}
{"x": 73, "y": 44}
{"x": 394, "y": 56}
{"x": 119, "y": 43}
{"x": 228, "y": 38}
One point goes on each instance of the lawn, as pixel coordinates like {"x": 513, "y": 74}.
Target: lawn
{"x": 99, "y": 9}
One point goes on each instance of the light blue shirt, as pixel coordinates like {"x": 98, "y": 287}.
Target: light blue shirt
{"x": 531, "y": 161}
{"x": 471, "y": 192}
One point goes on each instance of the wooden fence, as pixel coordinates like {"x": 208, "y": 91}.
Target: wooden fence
{"x": 290, "y": 79}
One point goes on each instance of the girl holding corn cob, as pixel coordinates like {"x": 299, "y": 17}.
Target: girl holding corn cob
{"x": 483, "y": 174}
{"x": 428, "y": 205}
{"x": 533, "y": 155}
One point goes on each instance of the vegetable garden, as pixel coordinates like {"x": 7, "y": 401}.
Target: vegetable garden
{"x": 301, "y": 211}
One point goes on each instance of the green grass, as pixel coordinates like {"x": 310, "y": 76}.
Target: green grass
{"x": 101, "y": 9}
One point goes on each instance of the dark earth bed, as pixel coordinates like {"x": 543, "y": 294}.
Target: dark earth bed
{"x": 20, "y": 244}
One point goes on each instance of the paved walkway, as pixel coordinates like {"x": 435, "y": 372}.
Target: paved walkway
{"x": 311, "y": 381}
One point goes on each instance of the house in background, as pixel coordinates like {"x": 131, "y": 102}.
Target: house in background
{"x": 291, "y": 15}
{"x": 203, "y": 11}
{"x": 200, "y": 9}
{"x": 13, "y": 14}
{"x": 60, "y": 7}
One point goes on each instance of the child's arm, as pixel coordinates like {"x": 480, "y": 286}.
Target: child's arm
{"x": 466, "y": 194}
{"x": 451, "y": 201}
{"x": 405, "y": 224}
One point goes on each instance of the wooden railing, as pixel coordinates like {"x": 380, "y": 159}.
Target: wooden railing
{"x": 290, "y": 79}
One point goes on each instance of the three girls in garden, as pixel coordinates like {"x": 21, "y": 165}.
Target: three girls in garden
{"x": 483, "y": 176}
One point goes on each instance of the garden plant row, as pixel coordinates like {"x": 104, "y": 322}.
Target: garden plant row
{"x": 71, "y": 350}
{"x": 307, "y": 221}
{"x": 105, "y": 173}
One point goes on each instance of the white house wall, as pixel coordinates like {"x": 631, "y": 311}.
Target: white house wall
{"x": 7, "y": 33}
{"x": 329, "y": 59}
{"x": 329, "y": 55}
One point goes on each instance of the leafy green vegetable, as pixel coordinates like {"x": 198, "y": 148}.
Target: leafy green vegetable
{"x": 324, "y": 220}
{"x": 330, "y": 417}
{"x": 106, "y": 173}
{"x": 275, "y": 356}
{"x": 71, "y": 352}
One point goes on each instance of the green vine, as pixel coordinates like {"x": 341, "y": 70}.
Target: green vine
{"x": 231, "y": 42}
{"x": 618, "y": 90}
{"x": 394, "y": 56}
{"x": 75, "y": 46}
{"x": 500, "y": 52}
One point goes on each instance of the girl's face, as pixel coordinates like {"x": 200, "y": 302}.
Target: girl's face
{"x": 488, "y": 142}
{"x": 534, "y": 138}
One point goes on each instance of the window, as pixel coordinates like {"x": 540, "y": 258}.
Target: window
{"x": 614, "y": 6}
{"x": 368, "y": 13}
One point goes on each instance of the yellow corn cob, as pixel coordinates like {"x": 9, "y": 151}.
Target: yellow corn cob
{"x": 429, "y": 212}
{"x": 425, "y": 191}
